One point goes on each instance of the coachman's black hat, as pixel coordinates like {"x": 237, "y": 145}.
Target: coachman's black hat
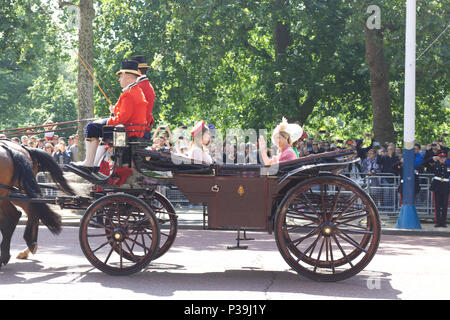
{"x": 142, "y": 62}
{"x": 130, "y": 66}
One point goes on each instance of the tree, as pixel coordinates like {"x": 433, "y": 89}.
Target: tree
{"x": 85, "y": 64}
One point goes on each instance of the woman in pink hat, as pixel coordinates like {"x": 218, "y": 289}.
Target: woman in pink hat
{"x": 200, "y": 140}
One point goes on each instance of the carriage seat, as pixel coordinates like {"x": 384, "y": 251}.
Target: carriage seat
{"x": 166, "y": 161}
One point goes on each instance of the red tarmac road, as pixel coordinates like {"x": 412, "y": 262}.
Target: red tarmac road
{"x": 199, "y": 267}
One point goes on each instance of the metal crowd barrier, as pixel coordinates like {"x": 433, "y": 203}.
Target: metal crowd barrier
{"x": 383, "y": 188}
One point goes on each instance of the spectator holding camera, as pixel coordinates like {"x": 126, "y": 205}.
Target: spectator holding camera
{"x": 370, "y": 164}
{"x": 362, "y": 151}
{"x": 163, "y": 133}
{"x": 61, "y": 154}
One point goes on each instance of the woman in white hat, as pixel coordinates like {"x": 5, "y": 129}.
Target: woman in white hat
{"x": 282, "y": 137}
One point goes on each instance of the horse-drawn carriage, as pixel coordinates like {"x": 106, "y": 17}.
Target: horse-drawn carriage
{"x": 326, "y": 227}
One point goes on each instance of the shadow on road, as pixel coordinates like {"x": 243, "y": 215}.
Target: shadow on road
{"x": 164, "y": 280}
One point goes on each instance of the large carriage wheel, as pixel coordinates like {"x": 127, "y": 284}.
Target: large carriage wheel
{"x": 119, "y": 234}
{"x": 167, "y": 220}
{"x": 327, "y": 228}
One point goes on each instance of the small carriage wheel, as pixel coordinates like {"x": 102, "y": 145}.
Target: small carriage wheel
{"x": 166, "y": 217}
{"x": 327, "y": 228}
{"x": 115, "y": 228}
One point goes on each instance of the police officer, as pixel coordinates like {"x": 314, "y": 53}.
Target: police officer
{"x": 146, "y": 87}
{"x": 440, "y": 187}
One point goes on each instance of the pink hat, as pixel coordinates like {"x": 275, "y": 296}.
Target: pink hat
{"x": 198, "y": 128}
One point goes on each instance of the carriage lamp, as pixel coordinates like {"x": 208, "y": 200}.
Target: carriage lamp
{"x": 119, "y": 136}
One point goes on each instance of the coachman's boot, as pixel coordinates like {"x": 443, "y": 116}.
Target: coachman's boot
{"x": 100, "y": 154}
{"x": 91, "y": 149}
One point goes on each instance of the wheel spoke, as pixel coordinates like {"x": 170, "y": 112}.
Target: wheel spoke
{"x": 350, "y": 240}
{"x": 109, "y": 254}
{"x": 309, "y": 248}
{"x": 297, "y": 241}
{"x": 309, "y": 204}
{"x": 331, "y": 255}
{"x": 319, "y": 254}
{"x": 324, "y": 206}
{"x": 336, "y": 198}
{"x": 352, "y": 200}
{"x": 351, "y": 219}
{"x": 342, "y": 250}
{"x": 102, "y": 245}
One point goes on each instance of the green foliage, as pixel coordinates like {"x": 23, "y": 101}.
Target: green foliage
{"x": 234, "y": 63}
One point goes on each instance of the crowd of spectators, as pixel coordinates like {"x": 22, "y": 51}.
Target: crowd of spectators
{"x": 63, "y": 152}
{"x": 375, "y": 158}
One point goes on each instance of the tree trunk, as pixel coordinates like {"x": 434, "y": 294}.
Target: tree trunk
{"x": 383, "y": 127}
{"x": 85, "y": 82}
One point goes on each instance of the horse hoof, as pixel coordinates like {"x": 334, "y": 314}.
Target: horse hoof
{"x": 4, "y": 261}
{"x": 34, "y": 249}
{"x": 23, "y": 255}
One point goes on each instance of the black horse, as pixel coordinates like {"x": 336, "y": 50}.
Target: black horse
{"x": 18, "y": 168}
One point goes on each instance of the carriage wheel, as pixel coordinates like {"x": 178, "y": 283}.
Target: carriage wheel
{"x": 119, "y": 234}
{"x": 167, "y": 220}
{"x": 327, "y": 228}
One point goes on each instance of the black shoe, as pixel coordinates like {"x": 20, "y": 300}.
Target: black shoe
{"x": 84, "y": 168}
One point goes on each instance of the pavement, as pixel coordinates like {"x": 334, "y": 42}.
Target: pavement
{"x": 192, "y": 218}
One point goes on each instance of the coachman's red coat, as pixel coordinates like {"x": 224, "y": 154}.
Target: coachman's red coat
{"x": 131, "y": 109}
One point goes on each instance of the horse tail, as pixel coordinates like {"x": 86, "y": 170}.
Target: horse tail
{"x": 24, "y": 174}
{"x": 47, "y": 163}
{"x": 48, "y": 217}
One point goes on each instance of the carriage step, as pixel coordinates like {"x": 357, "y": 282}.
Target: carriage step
{"x": 94, "y": 178}
{"x": 238, "y": 239}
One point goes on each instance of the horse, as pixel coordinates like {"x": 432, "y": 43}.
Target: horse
{"x": 18, "y": 168}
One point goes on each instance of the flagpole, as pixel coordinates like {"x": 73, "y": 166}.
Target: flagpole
{"x": 408, "y": 218}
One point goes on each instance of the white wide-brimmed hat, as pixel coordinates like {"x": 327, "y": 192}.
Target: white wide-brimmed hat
{"x": 295, "y": 131}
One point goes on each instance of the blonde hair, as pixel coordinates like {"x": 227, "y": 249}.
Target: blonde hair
{"x": 285, "y": 135}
